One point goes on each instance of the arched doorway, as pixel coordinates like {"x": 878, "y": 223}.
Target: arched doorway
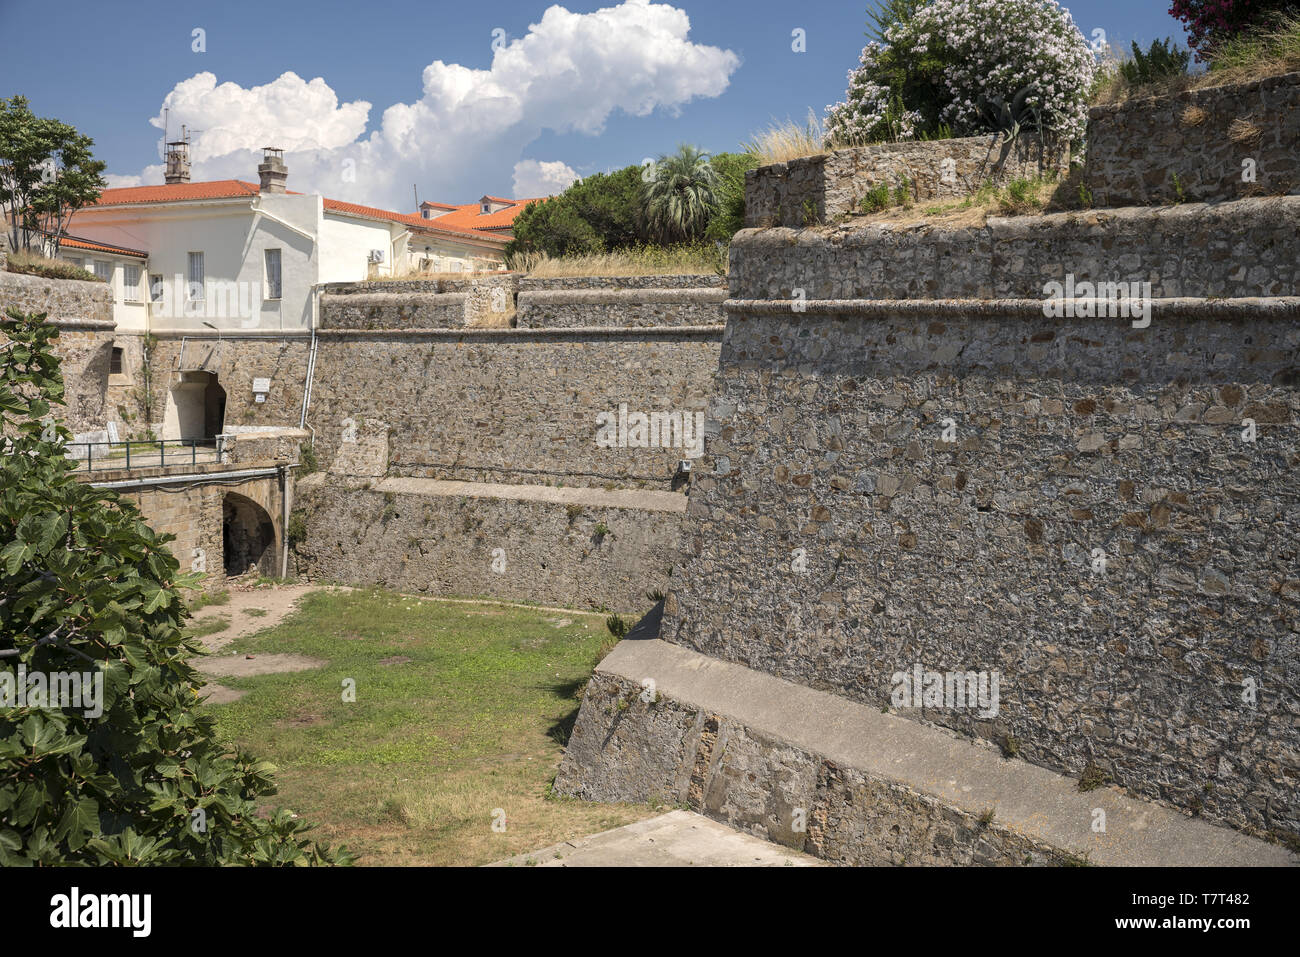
{"x": 247, "y": 536}
{"x": 196, "y": 407}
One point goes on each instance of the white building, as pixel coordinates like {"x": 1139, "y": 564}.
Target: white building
{"x": 232, "y": 255}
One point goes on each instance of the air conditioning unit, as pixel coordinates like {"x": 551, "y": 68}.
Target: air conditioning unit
{"x": 376, "y": 256}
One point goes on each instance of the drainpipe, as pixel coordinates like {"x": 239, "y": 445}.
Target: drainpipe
{"x": 284, "y": 521}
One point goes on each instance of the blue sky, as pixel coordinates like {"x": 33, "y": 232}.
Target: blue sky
{"x": 731, "y": 74}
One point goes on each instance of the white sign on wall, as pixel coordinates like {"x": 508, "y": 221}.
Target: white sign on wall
{"x": 261, "y": 385}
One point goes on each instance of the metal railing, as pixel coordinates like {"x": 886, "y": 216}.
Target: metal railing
{"x": 140, "y": 453}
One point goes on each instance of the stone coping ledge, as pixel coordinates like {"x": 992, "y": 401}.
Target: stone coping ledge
{"x": 645, "y": 500}
{"x": 972, "y": 776}
{"x": 1186, "y": 307}
{"x": 622, "y": 296}
{"x": 384, "y": 298}
{"x": 95, "y": 325}
{"x": 300, "y": 333}
{"x": 532, "y": 284}
{"x": 1152, "y": 100}
{"x": 29, "y": 279}
{"x": 554, "y": 334}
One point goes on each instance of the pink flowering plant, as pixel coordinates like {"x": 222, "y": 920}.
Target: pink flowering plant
{"x": 948, "y": 66}
{"x": 1212, "y": 21}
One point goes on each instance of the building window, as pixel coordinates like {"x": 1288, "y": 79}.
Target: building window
{"x": 131, "y": 283}
{"x": 194, "y": 291}
{"x": 487, "y": 208}
{"x": 155, "y": 287}
{"x": 115, "y": 361}
{"x": 104, "y": 270}
{"x": 273, "y": 274}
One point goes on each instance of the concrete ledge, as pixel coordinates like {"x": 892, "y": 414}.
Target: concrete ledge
{"x": 1187, "y": 307}
{"x": 676, "y": 839}
{"x": 646, "y": 500}
{"x": 751, "y": 749}
{"x": 563, "y": 333}
{"x": 90, "y": 325}
{"x": 623, "y": 296}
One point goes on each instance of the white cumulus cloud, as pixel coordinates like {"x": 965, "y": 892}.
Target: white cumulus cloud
{"x": 466, "y": 133}
{"x": 541, "y": 178}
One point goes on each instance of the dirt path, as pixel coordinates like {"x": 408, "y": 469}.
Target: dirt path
{"x": 250, "y": 610}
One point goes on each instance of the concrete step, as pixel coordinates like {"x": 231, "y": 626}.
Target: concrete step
{"x": 676, "y": 839}
{"x": 851, "y": 784}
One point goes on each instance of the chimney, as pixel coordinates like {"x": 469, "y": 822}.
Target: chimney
{"x": 178, "y": 162}
{"x": 271, "y": 171}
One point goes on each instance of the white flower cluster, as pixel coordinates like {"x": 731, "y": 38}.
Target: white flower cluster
{"x": 988, "y": 48}
{"x": 868, "y": 112}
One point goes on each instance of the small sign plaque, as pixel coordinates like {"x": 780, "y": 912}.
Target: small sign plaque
{"x": 261, "y": 385}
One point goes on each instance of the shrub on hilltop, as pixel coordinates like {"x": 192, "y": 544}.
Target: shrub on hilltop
{"x": 966, "y": 67}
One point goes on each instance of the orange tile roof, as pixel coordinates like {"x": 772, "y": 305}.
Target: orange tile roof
{"x": 177, "y": 192}
{"x": 413, "y": 220}
{"x": 72, "y": 242}
{"x": 236, "y": 188}
{"x": 470, "y": 216}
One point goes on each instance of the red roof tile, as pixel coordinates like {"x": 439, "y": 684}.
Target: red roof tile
{"x": 471, "y": 216}
{"x": 234, "y": 188}
{"x": 72, "y": 242}
{"x": 413, "y": 220}
{"x": 177, "y": 192}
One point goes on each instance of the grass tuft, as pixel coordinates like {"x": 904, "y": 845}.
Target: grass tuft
{"x": 784, "y": 141}
{"x": 687, "y": 259}
{"x": 34, "y": 264}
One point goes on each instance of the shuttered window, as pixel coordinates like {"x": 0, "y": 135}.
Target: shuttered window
{"x": 273, "y": 274}
{"x": 131, "y": 283}
{"x": 194, "y": 290}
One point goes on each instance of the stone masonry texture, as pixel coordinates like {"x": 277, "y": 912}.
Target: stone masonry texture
{"x": 409, "y": 535}
{"x": 818, "y": 189}
{"x": 1250, "y": 247}
{"x": 625, "y": 748}
{"x": 419, "y": 303}
{"x": 511, "y": 406}
{"x": 1203, "y": 138}
{"x": 836, "y": 538}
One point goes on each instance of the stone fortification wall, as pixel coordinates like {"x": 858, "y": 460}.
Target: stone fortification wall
{"x": 1069, "y": 502}
{"x": 1216, "y": 143}
{"x": 1245, "y": 248}
{"x": 237, "y": 361}
{"x": 817, "y": 189}
{"x": 83, "y": 312}
{"x": 486, "y": 300}
{"x": 639, "y": 301}
{"x": 559, "y": 546}
{"x": 508, "y": 405}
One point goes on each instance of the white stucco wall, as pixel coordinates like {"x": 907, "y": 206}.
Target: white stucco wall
{"x": 233, "y": 239}
{"x": 346, "y": 243}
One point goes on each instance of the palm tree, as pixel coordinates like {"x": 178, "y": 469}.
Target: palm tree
{"x": 680, "y": 194}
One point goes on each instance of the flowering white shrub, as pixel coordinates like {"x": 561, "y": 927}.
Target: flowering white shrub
{"x": 954, "y": 56}
{"x": 872, "y": 110}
